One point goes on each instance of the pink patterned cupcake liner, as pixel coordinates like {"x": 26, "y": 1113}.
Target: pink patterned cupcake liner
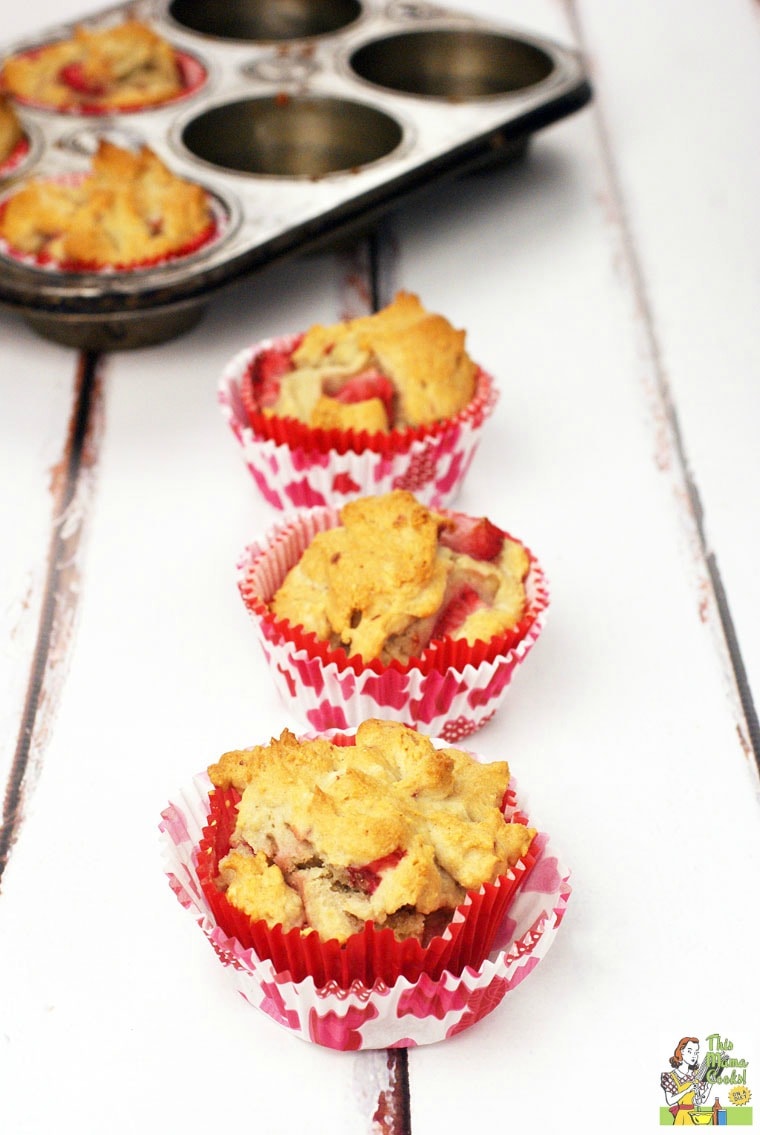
{"x": 450, "y": 691}
{"x": 297, "y": 467}
{"x": 403, "y": 1014}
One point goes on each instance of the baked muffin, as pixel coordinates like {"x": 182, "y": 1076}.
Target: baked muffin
{"x": 390, "y": 400}
{"x": 388, "y": 608}
{"x": 402, "y": 366}
{"x": 389, "y": 830}
{"x": 376, "y": 988}
{"x": 129, "y": 210}
{"x": 124, "y": 67}
{"x": 394, "y": 575}
{"x": 10, "y": 130}
{"x": 363, "y": 849}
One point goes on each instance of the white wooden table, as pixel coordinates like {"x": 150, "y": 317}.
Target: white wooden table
{"x": 610, "y": 282}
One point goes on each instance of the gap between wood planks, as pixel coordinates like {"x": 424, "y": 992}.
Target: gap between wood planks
{"x": 672, "y": 455}
{"x": 71, "y": 481}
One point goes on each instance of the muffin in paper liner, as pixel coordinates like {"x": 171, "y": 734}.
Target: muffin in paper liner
{"x": 295, "y": 466}
{"x": 215, "y": 230}
{"x": 191, "y": 72}
{"x": 372, "y": 954}
{"x": 402, "y": 1013}
{"x": 450, "y": 691}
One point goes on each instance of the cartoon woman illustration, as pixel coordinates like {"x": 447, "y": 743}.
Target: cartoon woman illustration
{"x": 684, "y": 1087}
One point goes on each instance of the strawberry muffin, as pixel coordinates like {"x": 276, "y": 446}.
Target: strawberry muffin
{"x": 125, "y": 67}
{"x": 389, "y": 832}
{"x": 390, "y": 606}
{"x": 130, "y": 210}
{"x": 401, "y": 367}
{"x": 390, "y": 400}
{"x": 369, "y": 890}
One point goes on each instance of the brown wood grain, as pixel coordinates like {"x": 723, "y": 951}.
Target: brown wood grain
{"x": 71, "y": 485}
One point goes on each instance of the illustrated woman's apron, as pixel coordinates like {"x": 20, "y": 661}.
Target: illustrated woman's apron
{"x": 682, "y": 1110}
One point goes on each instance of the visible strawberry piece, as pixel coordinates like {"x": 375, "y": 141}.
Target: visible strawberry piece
{"x": 73, "y": 75}
{"x": 462, "y": 604}
{"x": 472, "y": 536}
{"x": 268, "y": 369}
{"x": 368, "y": 384}
{"x": 368, "y": 878}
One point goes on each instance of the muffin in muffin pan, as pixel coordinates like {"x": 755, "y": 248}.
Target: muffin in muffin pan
{"x": 129, "y": 211}
{"x": 305, "y": 121}
{"x": 122, "y": 67}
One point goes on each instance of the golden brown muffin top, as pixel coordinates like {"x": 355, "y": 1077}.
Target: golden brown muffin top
{"x": 129, "y": 208}
{"x": 420, "y": 353}
{"x": 121, "y": 67}
{"x": 379, "y": 583}
{"x": 389, "y": 828}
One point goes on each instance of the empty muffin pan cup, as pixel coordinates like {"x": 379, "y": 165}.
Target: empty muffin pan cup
{"x": 310, "y": 118}
{"x": 292, "y": 136}
{"x": 451, "y": 64}
{"x": 264, "y": 21}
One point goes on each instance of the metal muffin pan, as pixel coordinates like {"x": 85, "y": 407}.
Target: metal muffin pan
{"x": 314, "y": 117}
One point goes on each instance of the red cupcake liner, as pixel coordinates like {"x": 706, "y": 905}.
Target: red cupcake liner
{"x": 370, "y": 955}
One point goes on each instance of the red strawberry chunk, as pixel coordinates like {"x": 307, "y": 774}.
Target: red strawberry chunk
{"x": 369, "y": 384}
{"x": 73, "y": 76}
{"x": 268, "y": 369}
{"x": 368, "y": 878}
{"x": 472, "y": 536}
{"x": 462, "y": 604}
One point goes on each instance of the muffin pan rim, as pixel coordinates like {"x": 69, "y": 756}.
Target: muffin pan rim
{"x": 172, "y": 21}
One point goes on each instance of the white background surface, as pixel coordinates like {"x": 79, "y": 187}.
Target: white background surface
{"x": 610, "y": 283}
